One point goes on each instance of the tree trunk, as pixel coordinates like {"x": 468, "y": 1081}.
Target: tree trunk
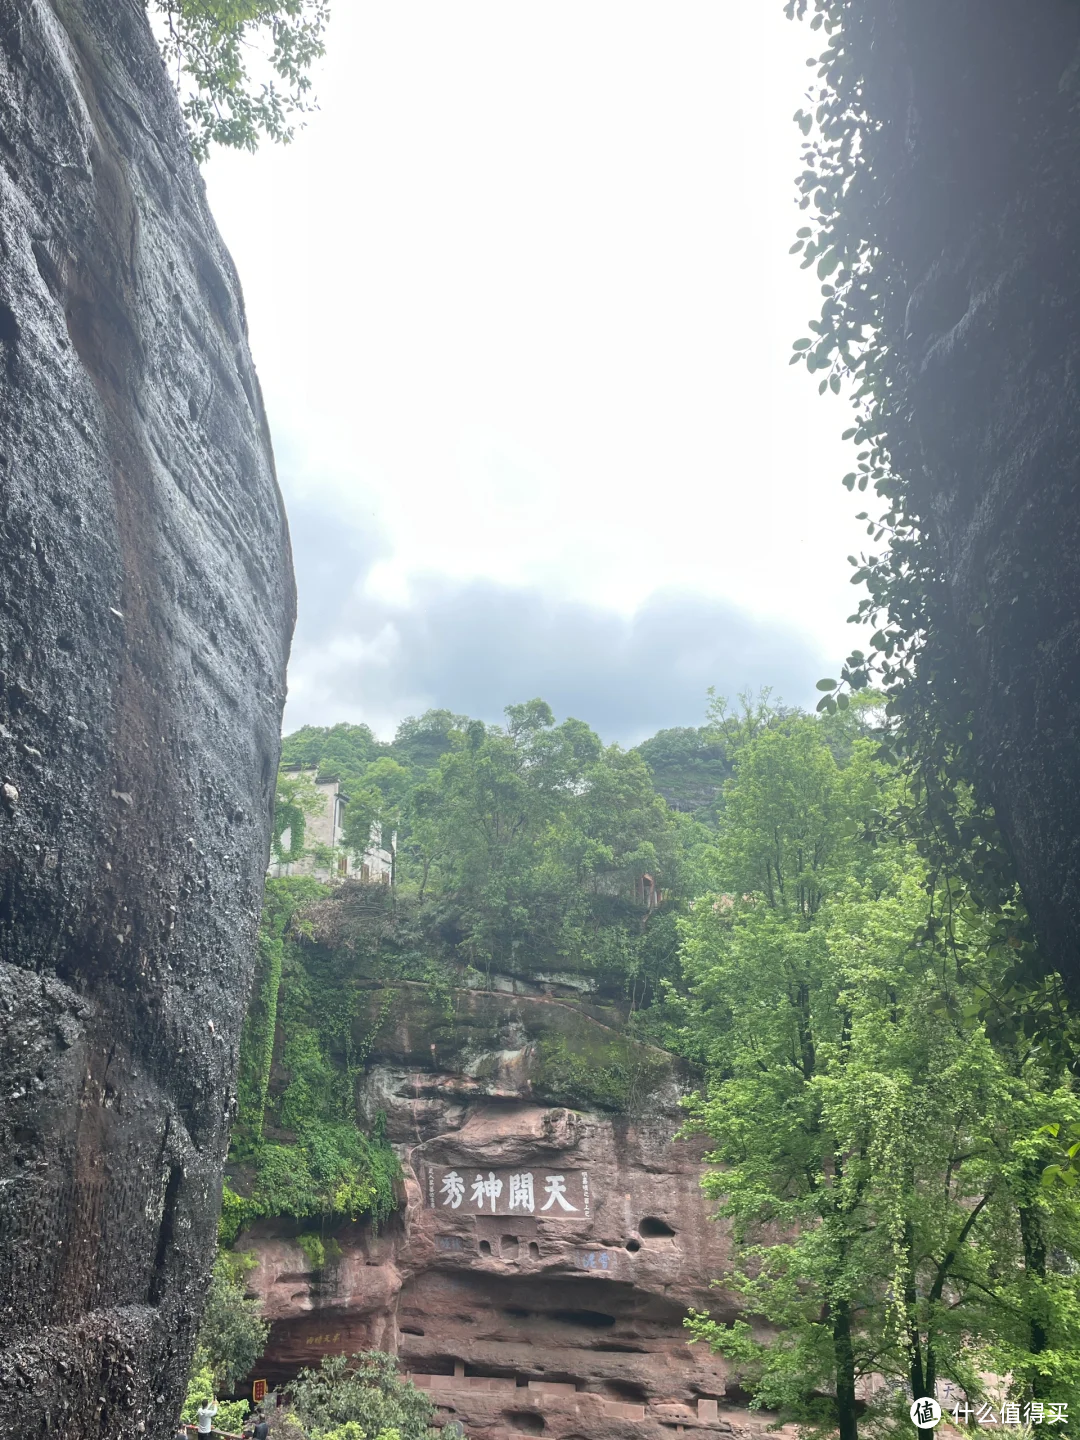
{"x": 845, "y": 1372}
{"x": 1034, "y": 1243}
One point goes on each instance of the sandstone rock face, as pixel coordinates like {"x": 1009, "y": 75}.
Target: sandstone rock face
{"x": 980, "y": 213}
{"x": 145, "y": 611}
{"x": 536, "y": 1278}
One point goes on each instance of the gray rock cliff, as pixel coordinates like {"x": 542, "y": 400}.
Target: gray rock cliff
{"x": 146, "y": 605}
{"x": 977, "y": 211}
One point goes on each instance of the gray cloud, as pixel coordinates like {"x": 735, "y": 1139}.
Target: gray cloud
{"x": 475, "y": 647}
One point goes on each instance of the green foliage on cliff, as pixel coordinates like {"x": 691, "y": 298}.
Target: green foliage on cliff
{"x": 297, "y": 1149}
{"x": 242, "y": 66}
{"x": 881, "y": 1161}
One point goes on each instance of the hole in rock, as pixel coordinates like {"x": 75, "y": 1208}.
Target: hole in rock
{"x": 534, "y": 1250}
{"x": 652, "y": 1228}
{"x": 485, "y": 1247}
{"x": 626, "y": 1391}
{"x": 620, "y": 1349}
{"x": 438, "y": 1365}
{"x": 411, "y": 1330}
{"x": 509, "y": 1247}
{"x": 526, "y": 1422}
{"x": 589, "y": 1319}
{"x": 633, "y": 1246}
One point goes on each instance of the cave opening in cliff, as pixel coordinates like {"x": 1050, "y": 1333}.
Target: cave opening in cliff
{"x": 587, "y": 1319}
{"x": 627, "y": 1391}
{"x": 651, "y": 1228}
{"x": 525, "y": 1422}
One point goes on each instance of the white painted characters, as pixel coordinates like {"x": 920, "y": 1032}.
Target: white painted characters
{"x": 489, "y": 1189}
{"x": 562, "y": 1196}
{"x": 521, "y": 1192}
{"x": 555, "y": 1189}
{"x": 453, "y": 1188}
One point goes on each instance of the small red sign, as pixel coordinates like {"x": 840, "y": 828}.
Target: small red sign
{"x": 258, "y": 1391}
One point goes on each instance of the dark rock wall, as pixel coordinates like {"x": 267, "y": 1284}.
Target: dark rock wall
{"x": 980, "y": 216}
{"x": 146, "y": 605}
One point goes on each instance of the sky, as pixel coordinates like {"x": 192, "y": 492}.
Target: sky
{"x": 522, "y": 307}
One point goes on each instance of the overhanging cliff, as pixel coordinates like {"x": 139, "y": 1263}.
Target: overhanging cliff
{"x": 146, "y": 604}
{"x": 961, "y": 204}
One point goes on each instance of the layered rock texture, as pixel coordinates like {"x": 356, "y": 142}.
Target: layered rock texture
{"x": 977, "y": 211}
{"x": 145, "y": 610}
{"x": 552, "y": 1232}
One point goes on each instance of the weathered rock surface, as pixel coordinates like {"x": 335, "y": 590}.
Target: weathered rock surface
{"x": 145, "y": 610}
{"x": 980, "y": 212}
{"x": 520, "y": 1315}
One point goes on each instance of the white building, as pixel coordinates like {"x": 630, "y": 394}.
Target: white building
{"x": 326, "y": 857}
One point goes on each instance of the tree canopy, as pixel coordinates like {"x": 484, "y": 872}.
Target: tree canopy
{"x": 880, "y": 1152}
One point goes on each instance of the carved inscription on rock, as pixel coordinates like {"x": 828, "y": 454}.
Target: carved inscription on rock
{"x": 554, "y": 1194}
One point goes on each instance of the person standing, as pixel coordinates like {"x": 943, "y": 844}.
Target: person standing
{"x": 205, "y": 1416}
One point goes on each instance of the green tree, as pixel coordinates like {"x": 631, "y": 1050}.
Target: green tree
{"x": 378, "y": 807}
{"x": 201, "y": 1389}
{"x": 538, "y": 833}
{"x": 361, "y": 1398}
{"x": 242, "y": 66}
{"x": 233, "y": 1334}
{"x": 878, "y": 1169}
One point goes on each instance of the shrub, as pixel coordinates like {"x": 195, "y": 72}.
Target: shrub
{"x": 361, "y": 1397}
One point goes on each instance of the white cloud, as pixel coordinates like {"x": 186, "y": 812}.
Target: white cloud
{"x": 522, "y": 305}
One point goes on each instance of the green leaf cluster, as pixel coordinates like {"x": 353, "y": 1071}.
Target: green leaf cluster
{"x": 361, "y": 1397}
{"x": 242, "y": 66}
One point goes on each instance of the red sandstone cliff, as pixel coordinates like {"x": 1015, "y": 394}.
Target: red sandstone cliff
{"x": 536, "y": 1276}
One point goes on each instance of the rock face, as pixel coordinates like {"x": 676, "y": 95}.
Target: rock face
{"x": 145, "y": 610}
{"x": 980, "y": 214}
{"x": 536, "y": 1277}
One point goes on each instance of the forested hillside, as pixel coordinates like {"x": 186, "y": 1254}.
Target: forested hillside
{"x": 886, "y": 1170}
